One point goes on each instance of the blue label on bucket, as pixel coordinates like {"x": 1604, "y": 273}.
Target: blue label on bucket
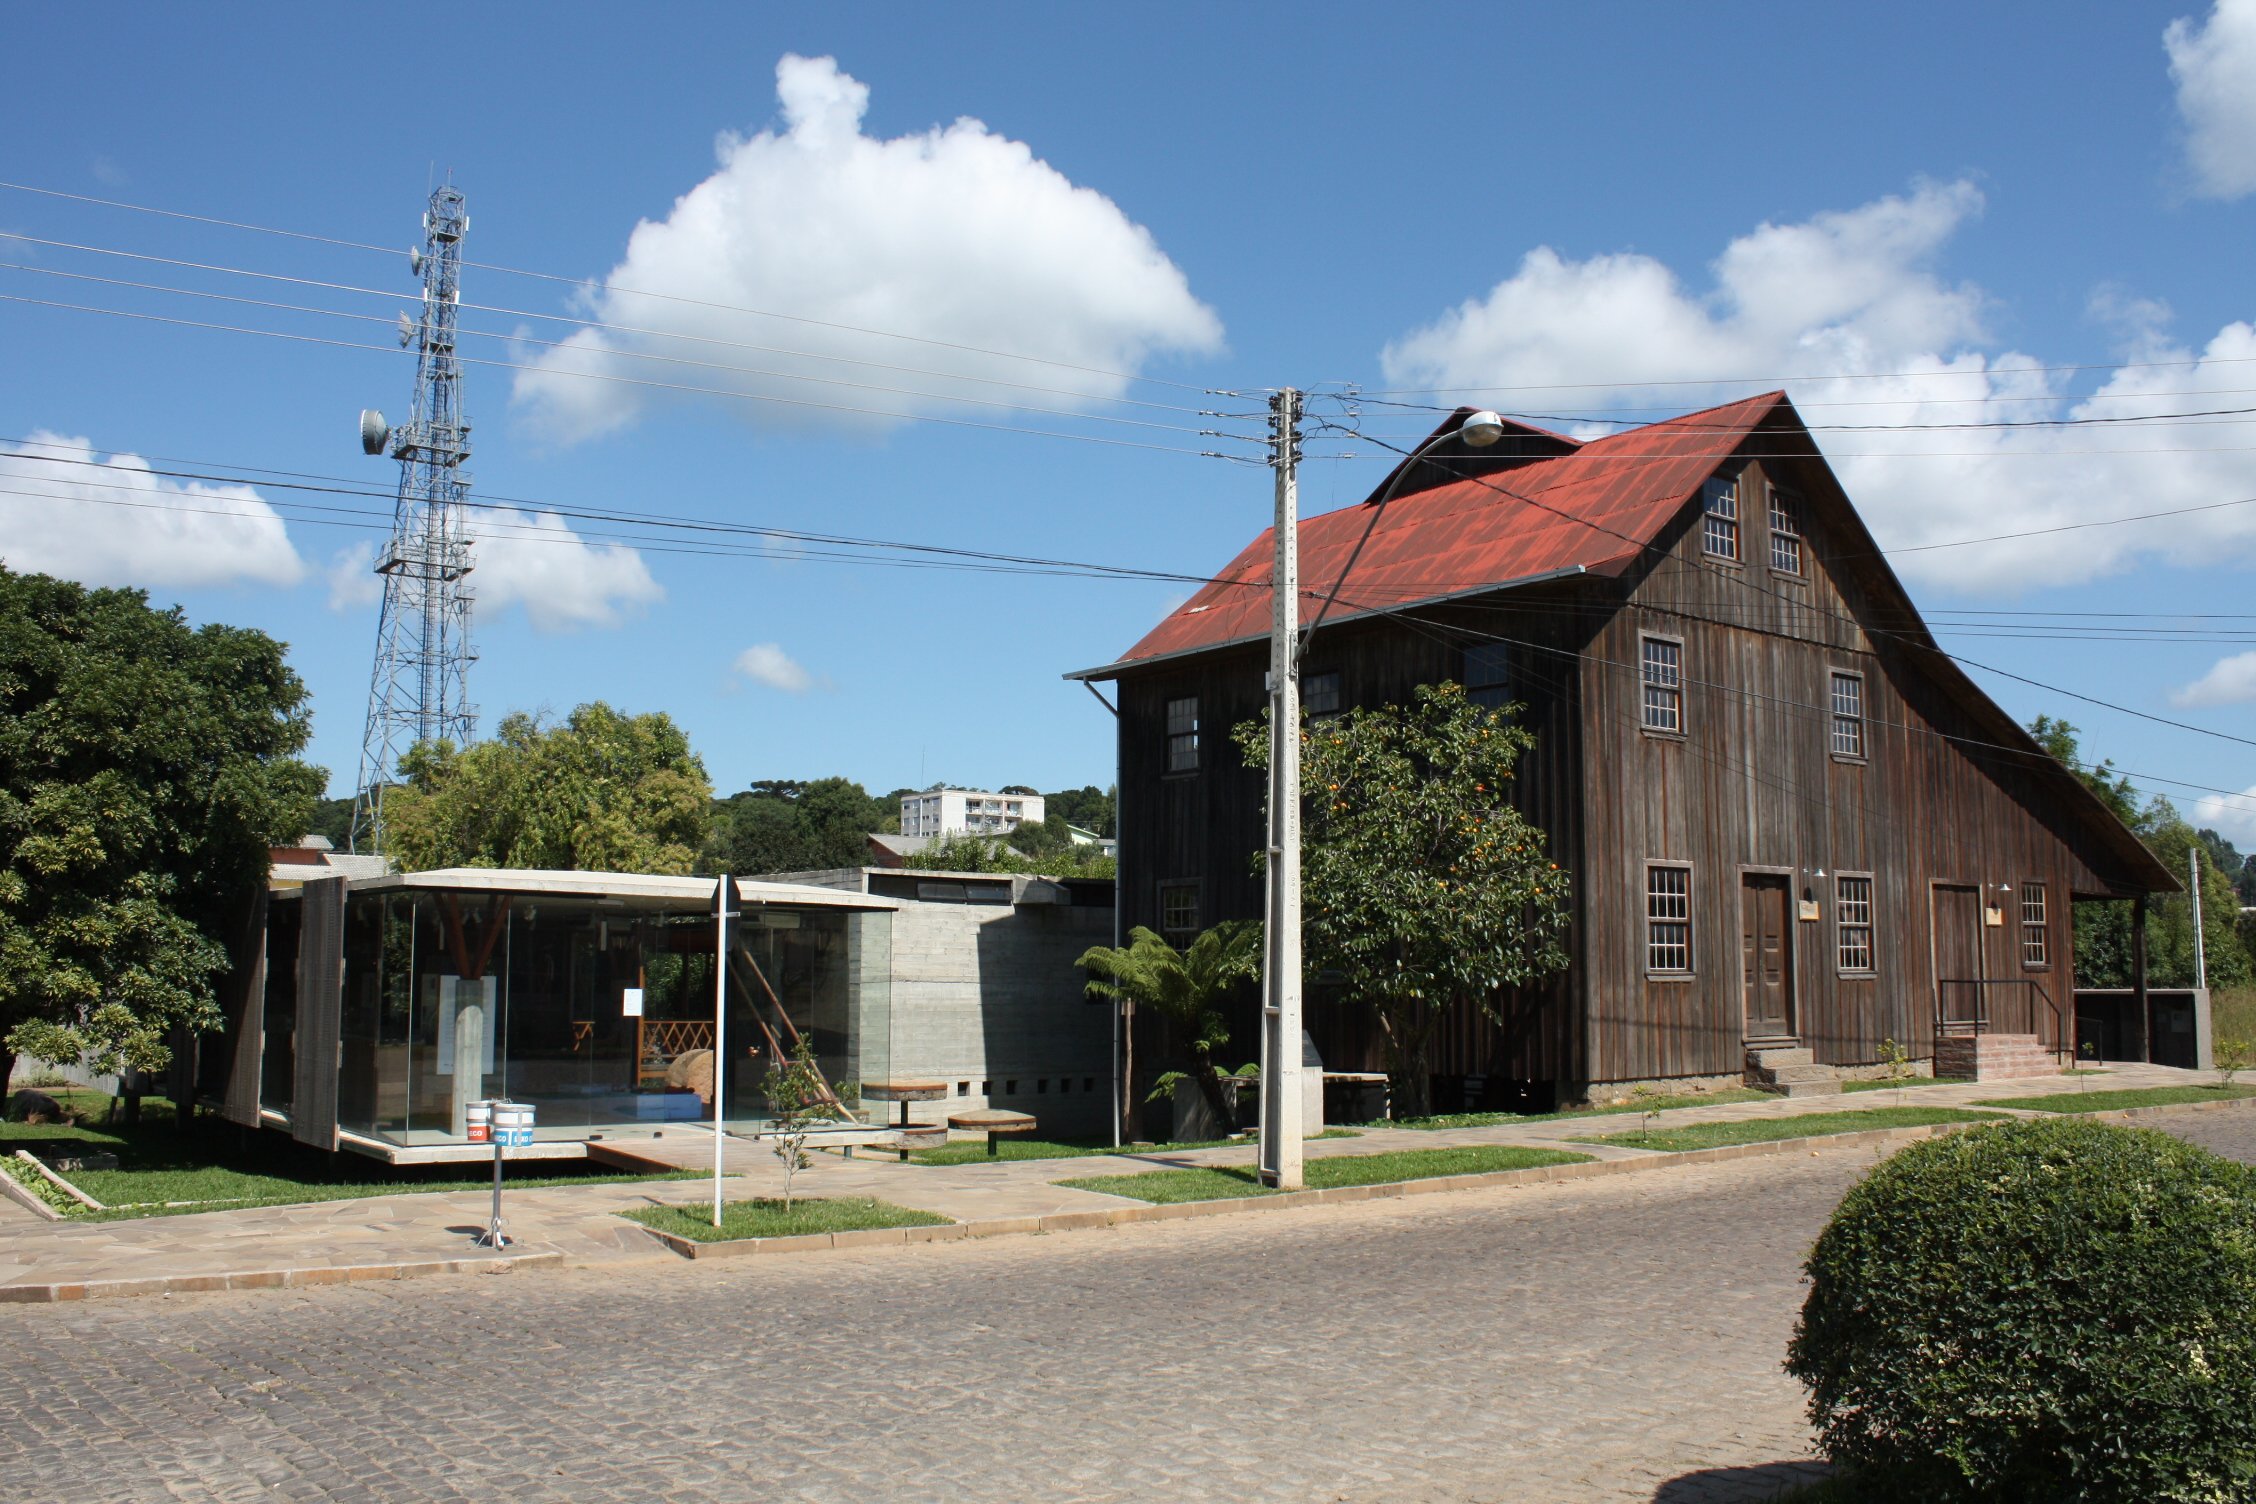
{"x": 514, "y": 1138}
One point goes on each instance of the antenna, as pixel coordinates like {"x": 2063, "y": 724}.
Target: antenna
{"x": 419, "y": 691}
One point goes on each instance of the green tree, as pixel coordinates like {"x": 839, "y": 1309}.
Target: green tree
{"x": 2114, "y": 788}
{"x": 601, "y": 792}
{"x": 970, "y": 853}
{"x": 332, "y": 818}
{"x": 1185, "y": 987}
{"x": 1093, "y": 809}
{"x": 799, "y": 1100}
{"x": 145, "y": 769}
{"x": 782, "y": 825}
{"x": 1420, "y": 883}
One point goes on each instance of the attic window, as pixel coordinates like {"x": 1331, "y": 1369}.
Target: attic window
{"x": 1719, "y": 532}
{"x": 1785, "y": 532}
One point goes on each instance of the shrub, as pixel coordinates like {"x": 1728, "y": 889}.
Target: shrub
{"x": 2046, "y": 1311}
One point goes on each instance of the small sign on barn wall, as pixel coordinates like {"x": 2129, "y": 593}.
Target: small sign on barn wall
{"x": 1993, "y": 917}
{"x": 1808, "y": 909}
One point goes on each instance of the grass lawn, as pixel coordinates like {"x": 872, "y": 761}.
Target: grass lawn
{"x": 1811, "y": 1125}
{"x": 1645, "y": 1104}
{"x": 1222, "y": 1183}
{"x": 974, "y": 1151}
{"x": 217, "y": 1166}
{"x": 766, "y": 1218}
{"x": 2115, "y": 1101}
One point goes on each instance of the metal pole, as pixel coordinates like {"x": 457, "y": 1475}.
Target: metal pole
{"x": 2200, "y": 952}
{"x": 494, "y": 1239}
{"x": 722, "y": 892}
{"x": 1281, "y": 1116}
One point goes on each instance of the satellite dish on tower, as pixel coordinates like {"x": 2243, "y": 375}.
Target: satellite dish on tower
{"x": 414, "y": 262}
{"x": 374, "y": 431}
{"x": 407, "y": 330}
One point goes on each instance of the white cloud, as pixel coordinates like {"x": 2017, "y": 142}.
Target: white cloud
{"x": 2231, "y": 681}
{"x": 109, "y": 520}
{"x": 767, "y": 663}
{"x": 957, "y": 235}
{"x": 562, "y": 580}
{"x": 2214, "y": 67}
{"x": 2232, "y": 816}
{"x": 1850, "y": 301}
{"x": 352, "y": 578}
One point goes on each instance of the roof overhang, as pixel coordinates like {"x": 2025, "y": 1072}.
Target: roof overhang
{"x": 550, "y": 883}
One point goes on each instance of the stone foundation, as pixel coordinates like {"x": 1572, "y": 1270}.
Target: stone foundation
{"x": 1993, "y": 1057}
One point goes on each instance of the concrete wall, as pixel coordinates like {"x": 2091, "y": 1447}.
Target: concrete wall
{"x": 985, "y": 996}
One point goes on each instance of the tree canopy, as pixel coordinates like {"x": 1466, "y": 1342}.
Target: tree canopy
{"x": 781, "y": 825}
{"x": 1420, "y": 883}
{"x": 145, "y": 769}
{"x": 1185, "y": 987}
{"x": 601, "y": 792}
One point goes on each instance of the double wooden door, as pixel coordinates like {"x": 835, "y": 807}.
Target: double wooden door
{"x": 1766, "y": 951}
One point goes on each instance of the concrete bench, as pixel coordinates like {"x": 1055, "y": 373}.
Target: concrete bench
{"x": 994, "y": 1122}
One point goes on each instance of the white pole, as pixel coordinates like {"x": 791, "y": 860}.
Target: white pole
{"x": 722, "y": 893}
{"x": 1281, "y": 1115}
{"x": 2200, "y": 952}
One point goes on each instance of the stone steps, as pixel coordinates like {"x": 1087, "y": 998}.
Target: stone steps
{"x": 1790, "y": 1071}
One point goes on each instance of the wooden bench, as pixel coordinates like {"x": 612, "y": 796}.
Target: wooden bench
{"x": 994, "y": 1122}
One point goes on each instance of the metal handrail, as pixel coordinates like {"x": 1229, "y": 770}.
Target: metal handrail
{"x": 1979, "y": 1024}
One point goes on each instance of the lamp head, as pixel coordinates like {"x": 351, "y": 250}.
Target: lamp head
{"x": 1481, "y": 429}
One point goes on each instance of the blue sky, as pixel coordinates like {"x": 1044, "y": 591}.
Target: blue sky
{"x": 1604, "y": 210}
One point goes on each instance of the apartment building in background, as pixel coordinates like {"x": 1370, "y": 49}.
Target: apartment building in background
{"x": 950, "y": 812}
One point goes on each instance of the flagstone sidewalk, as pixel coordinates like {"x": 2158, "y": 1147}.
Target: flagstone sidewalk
{"x": 399, "y": 1236}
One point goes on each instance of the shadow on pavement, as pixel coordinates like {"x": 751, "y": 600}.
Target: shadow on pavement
{"x": 1733, "y": 1485}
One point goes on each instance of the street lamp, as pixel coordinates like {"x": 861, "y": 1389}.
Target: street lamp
{"x": 1282, "y": 1117}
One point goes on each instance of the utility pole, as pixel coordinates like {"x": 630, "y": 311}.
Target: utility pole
{"x": 1281, "y": 1116}
{"x": 2200, "y": 954}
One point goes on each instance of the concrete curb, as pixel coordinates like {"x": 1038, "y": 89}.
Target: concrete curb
{"x": 273, "y": 1279}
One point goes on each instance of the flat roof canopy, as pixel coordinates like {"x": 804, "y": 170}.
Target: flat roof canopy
{"x": 629, "y": 885}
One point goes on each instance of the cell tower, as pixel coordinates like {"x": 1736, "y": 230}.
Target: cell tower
{"x": 421, "y": 687}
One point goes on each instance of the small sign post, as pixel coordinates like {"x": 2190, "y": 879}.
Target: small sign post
{"x": 511, "y": 1128}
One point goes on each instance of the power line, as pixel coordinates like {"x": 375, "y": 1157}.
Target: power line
{"x": 582, "y": 282}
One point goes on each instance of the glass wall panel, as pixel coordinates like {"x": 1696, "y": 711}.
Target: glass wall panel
{"x": 278, "y": 1062}
{"x": 457, "y": 1011}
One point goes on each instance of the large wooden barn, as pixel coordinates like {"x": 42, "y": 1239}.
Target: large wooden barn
{"x": 1793, "y": 822}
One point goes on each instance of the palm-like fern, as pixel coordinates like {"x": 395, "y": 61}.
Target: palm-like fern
{"x": 1184, "y": 986}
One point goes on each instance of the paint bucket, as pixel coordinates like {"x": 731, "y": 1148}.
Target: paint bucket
{"x": 477, "y": 1121}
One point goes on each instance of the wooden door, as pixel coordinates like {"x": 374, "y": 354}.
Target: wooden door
{"x": 1958, "y": 956}
{"x": 1766, "y": 955}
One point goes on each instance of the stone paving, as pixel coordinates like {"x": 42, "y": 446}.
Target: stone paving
{"x": 578, "y": 1225}
{"x": 1607, "y": 1340}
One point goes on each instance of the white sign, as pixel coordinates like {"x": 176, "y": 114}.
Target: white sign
{"x": 630, "y": 1002}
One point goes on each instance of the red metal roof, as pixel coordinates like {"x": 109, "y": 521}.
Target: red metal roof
{"x": 1593, "y": 509}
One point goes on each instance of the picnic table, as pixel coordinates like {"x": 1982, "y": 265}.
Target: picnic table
{"x": 992, "y": 1121}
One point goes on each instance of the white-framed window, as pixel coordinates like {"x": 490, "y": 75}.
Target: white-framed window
{"x": 1668, "y": 919}
{"x": 1178, "y": 909}
{"x": 1182, "y": 736}
{"x": 1785, "y": 531}
{"x": 1661, "y": 673}
{"x": 2035, "y": 953}
{"x": 1320, "y": 693}
{"x": 1488, "y": 674}
{"x": 1852, "y": 923}
{"x": 1847, "y": 697}
{"x": 1719, "y": 528}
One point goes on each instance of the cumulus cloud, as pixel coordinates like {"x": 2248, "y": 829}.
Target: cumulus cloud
{"x": 352, "y": 578}
{"x": 767, "y": 663}
{"x": 957, "y": 236}
{"x": 563, "y": 581}
{"x": 2214, "y": 68}
{"x": 2231, "y": 681}
{"x": 108, "y": 519}
{"x": 2232, "y": 816}
{"x": 1847, "y": 311}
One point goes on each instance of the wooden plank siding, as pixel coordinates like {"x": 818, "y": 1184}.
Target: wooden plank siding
{"x": 1753, "y": 785}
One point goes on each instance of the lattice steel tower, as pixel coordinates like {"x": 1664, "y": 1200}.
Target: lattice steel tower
{"x": 421, "y": 686}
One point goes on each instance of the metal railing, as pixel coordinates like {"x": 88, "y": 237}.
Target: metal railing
{"x": 1972, "y": 1018}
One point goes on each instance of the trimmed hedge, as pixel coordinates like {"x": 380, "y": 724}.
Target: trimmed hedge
{"x": 2062, "y": 1312}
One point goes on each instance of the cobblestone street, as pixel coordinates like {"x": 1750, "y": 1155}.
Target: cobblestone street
{"x": 1605, "y": 1340}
